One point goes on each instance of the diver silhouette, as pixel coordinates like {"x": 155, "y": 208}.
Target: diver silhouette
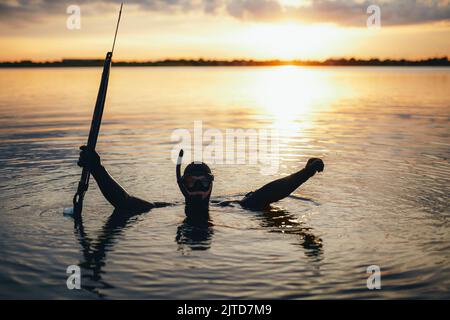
{"x": 196, "y": 230}
{"x": 196, "y": 185}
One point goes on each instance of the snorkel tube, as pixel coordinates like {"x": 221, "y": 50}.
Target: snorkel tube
{"x": 179, "y": 177}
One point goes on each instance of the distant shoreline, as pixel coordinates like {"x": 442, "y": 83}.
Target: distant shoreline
{"x": 432, "y": 62}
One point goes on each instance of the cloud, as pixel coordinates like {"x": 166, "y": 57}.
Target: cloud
{"x": 342, "y": 12}
{"x": 255, "y": 9}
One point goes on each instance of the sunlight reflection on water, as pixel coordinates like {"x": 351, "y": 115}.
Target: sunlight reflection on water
{"x": 383, "y": 198}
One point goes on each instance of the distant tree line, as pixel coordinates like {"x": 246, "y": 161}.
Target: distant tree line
{"x": 433, "y": 62}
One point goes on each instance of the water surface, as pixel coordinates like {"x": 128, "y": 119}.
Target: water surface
{"x": 382, "y": 200}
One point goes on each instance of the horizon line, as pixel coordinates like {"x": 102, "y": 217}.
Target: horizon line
{"x": 206, "y": 59}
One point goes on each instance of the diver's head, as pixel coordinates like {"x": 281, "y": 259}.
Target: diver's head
{"x": 196, "y": 183}
{"x": 197, "y": 180}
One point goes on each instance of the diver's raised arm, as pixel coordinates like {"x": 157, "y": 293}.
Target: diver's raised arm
{"x": 281, "y": 188}
{"x": 116, "y": 195}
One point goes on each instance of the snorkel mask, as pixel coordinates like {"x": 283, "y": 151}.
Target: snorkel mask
{"x": 196, "y": 182}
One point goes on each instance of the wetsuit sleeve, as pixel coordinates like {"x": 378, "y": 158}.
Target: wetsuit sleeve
{"x": 117, "y": 195}
{"x": 276, "y": 190}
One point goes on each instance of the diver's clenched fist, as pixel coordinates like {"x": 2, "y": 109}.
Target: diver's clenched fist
{"x": 89, "y": 159}
{"x": 316, "y": 164}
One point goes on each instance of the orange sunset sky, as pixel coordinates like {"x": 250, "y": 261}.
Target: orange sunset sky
{"x": 225, "y": 29}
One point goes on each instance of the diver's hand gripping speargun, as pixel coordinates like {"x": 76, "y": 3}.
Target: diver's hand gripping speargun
{"x": 95, "y": 126}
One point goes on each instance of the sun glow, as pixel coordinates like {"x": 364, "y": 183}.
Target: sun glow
{"x": 289, "y": 41}
{"x": 293, "y": 96}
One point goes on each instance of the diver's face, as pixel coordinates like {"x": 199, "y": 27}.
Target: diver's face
{"x": 198, "y": 187}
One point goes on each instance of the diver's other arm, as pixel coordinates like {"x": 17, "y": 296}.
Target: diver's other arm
{"x": 281, "y": 188}
{"x": 111, "y": 189}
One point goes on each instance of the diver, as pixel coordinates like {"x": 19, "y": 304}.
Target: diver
{"x": 196, "y": 185}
